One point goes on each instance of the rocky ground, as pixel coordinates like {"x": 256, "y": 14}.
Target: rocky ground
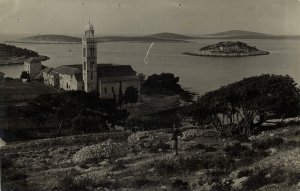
{"x": 145, "y": 161}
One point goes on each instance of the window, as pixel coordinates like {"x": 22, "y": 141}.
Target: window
{"x": 91, "y": 75}
{"x": 84, "y": 65}
{"x": 83, "y": 52}
{"x": 105, "y": 90}
{"x": 112, "y": 90}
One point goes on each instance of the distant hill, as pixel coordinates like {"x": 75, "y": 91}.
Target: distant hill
{"x": 166, "y": 35}
{"x": 136, "y": 39}
{"x": 49, "y": 39}
{"x": 159, "y": 37}
{"x": 241, "y": 34}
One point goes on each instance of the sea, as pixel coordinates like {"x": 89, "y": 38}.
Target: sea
{"x": 196, "y": 74}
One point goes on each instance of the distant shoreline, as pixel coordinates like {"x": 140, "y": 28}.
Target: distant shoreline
{"x": 19, "y": 60}
{"x": 31, "y": 42}
{"x": 108, "y": 41}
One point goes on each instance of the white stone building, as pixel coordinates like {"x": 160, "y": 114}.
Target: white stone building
{"x": 107, "y": 79}
{"x": 33, "y": 67}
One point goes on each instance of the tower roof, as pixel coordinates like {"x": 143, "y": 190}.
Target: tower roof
{"x": 89, "y": 27}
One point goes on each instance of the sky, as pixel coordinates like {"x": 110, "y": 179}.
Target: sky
{"x": 141, "y": 17}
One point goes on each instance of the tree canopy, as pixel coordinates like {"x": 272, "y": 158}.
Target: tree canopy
{"x": 242, "y": 107}
{"x": 165, "y": 83}
{"x": 11, "y": 50}
{"x": 77, "y": 108}
{"x": 131, "y": 95}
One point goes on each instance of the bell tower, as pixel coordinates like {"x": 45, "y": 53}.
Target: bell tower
{"x": 89, "y": 59}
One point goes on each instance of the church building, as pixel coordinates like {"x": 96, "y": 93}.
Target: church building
{"x": 106, "y": 78}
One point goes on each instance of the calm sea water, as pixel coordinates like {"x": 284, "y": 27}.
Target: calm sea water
{"x": 199, "y": 74}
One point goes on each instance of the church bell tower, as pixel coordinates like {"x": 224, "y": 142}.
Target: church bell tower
{"x": 89, "y": 59}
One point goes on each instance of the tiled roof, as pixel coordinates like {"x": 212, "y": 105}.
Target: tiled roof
{"x": 107, "y": 70}
{"x": 66, "y": 70}
{"x": 103, "y": 70}
{"x": 119, "y": 78}
{"x": 47, "y": 70}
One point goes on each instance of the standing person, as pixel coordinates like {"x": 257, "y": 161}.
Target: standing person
{"x": 176, "y": 133}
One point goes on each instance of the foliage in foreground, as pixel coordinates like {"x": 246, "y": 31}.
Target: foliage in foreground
{"x": 83, "y": 111}
{"x": 241, "y": 107}
{"x": 165, "y": 83}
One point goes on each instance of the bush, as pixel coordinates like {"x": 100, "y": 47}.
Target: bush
{"x": 179, "y": 185}
{"x": 245, "y": 172}
{"x": 270, "y": 175}
{"x": 220, "y": 185}
{"x": 251, "y": 98}
{"x": 68, "y": 184}
{"x": 24, "y": 75}
{"x": 166, "y": 167}
{"x": 6, "y": 162}
{"x": 238, "y": 150}
{"x": 265, "y": 144}
{"x": 143, "y": 182}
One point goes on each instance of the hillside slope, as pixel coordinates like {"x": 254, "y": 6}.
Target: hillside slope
{"x": 144, "y": 161}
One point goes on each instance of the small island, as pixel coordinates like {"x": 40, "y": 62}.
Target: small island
{"x": 10, "y": 55}
{"x": 228, "y": 49}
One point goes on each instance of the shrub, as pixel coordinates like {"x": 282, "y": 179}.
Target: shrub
{"x": 179, "y": 185}
{"x": 267, "y": 143}
{"x": 238, "y": 150}
{"x": 252, "y": 98}
{"x": 143, "y": 182}
{"x": 24, "y": 75}
{"x": 166, "y": 167}
{"x": 220, "y": 185}
{"x": 270, "y": 175}
{"x": 245, "y": 172}
{"x": 6, "y": 162}
{"x": 68, "y": 184}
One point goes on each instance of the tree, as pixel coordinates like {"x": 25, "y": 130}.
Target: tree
{"x": 38, "y": 113}
{"x": 243, "y": 106}
{"x": 78, "y": 109}
{"x": 142, "y": 78}
{"x": 131, "y": 95}
{"x": 121, "y": 99}
{"x": 2, "y": 75}
{"x": 24, "y": 75}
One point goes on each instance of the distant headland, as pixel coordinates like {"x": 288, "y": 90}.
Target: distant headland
{"x": 228, "y": 49}
{"x": 10, "y": 55}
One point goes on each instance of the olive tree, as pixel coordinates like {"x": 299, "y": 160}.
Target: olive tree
{"x": 243, "y": 106}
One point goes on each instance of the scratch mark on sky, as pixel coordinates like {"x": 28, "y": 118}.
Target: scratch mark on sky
{"x": 146, "y": 62}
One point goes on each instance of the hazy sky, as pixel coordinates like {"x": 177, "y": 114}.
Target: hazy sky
{"x": 130, "y": 17}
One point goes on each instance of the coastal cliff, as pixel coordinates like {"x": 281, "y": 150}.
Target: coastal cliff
{"x": 228, "y": 49}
